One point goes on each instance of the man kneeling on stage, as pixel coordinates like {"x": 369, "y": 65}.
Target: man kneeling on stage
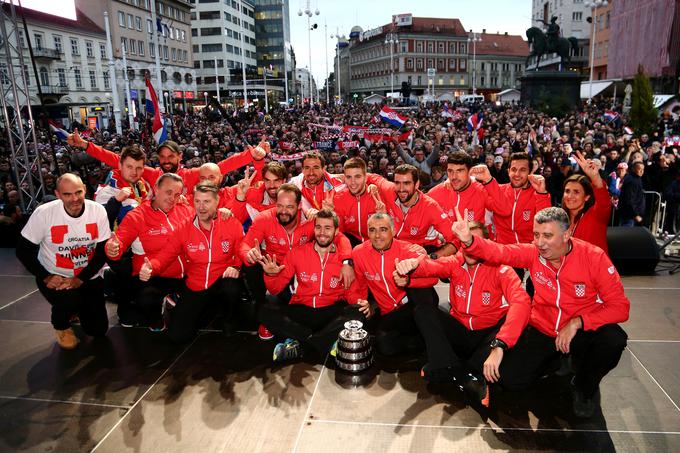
{"x": 318, "y": 308}
{"x": 578, "y": 304}
{"x": 489, "y": 311}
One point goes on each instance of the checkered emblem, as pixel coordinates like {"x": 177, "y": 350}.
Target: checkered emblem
{"x": 486, "y": 298}
{"x": 414, "y": 231}
{"x": 334, "y": 282}
{"x": 526, "y": 215}
{"x": 580, "y": 289}
{"x": 225, "y": 246}
{"x": 471, "y": 216}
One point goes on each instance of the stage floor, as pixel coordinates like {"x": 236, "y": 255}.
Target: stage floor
{"x": 134, "y": 392}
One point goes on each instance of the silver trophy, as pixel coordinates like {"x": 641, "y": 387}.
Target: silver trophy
{"x": 354, "y": 348}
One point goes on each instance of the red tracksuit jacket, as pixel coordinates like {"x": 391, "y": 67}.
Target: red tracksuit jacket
{"x": 592, "y": 226}
{"x": 374, "y": 269}
{"x": 513, "y": 212}
{"x": 318, "y": 282}
{"x": 481, "y": 295}
{"x": 586, "y": 284}
{"x": 207, "y": 254}
{"x": 148, "y": 231}
{"x": 474, "y": 197}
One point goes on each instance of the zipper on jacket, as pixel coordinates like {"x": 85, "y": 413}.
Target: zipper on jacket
{"x": 179, "y": 258}
{"x": 382, "y": 271}
{"x": 469, "y": 298}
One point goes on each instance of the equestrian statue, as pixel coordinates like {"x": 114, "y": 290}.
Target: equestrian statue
{"x": 549, "y": 42}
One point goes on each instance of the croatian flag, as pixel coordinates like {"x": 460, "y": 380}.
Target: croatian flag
{"x": 160, "y": 134}
{"x": 474, "y": 124}
{"x": 447, "y": 112}
{"x": 390, "y": 116}
{"x": 56, "y": 130}
{"x": 610, "y": 115}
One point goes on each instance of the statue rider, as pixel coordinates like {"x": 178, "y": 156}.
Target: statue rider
{"x": 552, "y": 34}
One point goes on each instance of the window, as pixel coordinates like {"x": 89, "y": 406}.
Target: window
{"x": 419, "y": 46}
{"x": 452, "y": 63}
{"x": 185, "y": 56}
{"x": 462, "y": 48}
{"x": 107, "y": 81}
{"x": 152, "y": 50}
{"x": 462, "y": 65}
{"x": 430, "y": 47}
{"x": 131, "y": 22}
{"x": 213, "y": 31}
{"x": 165, "y": 52}
{"x": 140, "y": 48}
{"x": 138, "y": 23}
{"x": 79, "y": 80}
{"x": 124, "y": 44}
{"x": 577, "y": 16}
{"x": 194, "y": 32}
{"x": 133, "y": 47}
{"x": 419, "y": 63}
{"x": 102, "y": 50}
{"x": 174, "y": 54}
{"x": 481, "y": 80}
{"x": 61, "y": 74}
{"x": 149, "y": 26}
{"x": 93, "y": 80}
{"x": 184, "y": 36}
{"x": 89, "y": 49}
{"x": 409, "y": 63}
{"x": 57, "y": 44}
{"x": 38, "y": 41}
{"x": 440, "y": 47}
{"x": 75, "y": 50}
{"x": 211, "y": 48}
{"x": 121, "y": 19}
{"x": 44, "y": 77}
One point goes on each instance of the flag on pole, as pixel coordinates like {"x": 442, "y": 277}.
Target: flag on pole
{"x": 160, "y": 134}
{"x": 56, "y": 130}
{"x": 610, "y": 115}
{"x": 391, "y": 117}
{"x": 474, "y": 124}
{"x": 447, "y": 112}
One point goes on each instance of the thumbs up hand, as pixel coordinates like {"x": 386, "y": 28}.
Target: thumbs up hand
{"x": 76, "y": 140}
{"x": 146, "y": 270}
{"x": 112, "y": 247}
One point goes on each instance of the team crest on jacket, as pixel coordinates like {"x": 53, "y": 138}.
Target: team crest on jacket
{"x": 580, "y": 289}
{"x": 471, "y": 216}
{"x": 414, "y": 231}
{"x": 334, "y": 282}
{"x": 303, "y": 239}
{"x": 225, "y": 246}
{"x": 526, "y": 215}
{"x": 350, "y": 219}
{"x": 460, "y": 291}
{"x": 486, "y": 298}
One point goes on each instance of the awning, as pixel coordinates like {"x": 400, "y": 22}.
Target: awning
{"x": 598, "y": 87}
{"x": 661, "y": 99}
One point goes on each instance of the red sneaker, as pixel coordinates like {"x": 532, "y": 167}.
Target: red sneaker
{"x": 264, "y": 333}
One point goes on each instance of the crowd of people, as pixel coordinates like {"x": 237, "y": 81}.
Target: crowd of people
{"x": 323, "y": 214}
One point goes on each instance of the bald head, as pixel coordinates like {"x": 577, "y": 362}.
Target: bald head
{"x": 69, "y": 178}
{"x": 71, "y": 191}
{"x": 210, "y": 174}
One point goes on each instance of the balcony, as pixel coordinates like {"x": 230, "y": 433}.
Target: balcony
{"x": 54, "y": 90}
{"x": 46, "y": 54}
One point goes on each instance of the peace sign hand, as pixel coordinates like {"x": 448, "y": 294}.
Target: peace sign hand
{"x": 244, "y": 184}
{"x": 379, "y": 205}
{"x": 461, "y": 228}
{"x": 588, "y": 166}
{"x": 327, "y": 202}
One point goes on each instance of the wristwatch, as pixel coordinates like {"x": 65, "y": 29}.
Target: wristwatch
{"x": 496, "y": 343}
{"x": 349, "y": 261}
{"x": 433, "y": 256}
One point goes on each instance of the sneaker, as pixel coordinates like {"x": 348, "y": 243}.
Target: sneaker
{"x": 74, "y": 319}
{"x": 264, "y": 333}
{"x": 475, "y": 388}
{"x": 288, "y": 350}
{"x": 583, "y": 407}
{"x": 169, "y": 302}
{"x": 444, "y": 375}
{"x": 158, "y": 326}
{"x": 66, "y": 338}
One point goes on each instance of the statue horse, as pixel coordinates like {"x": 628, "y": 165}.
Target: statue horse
{"x": 539, "y": 46}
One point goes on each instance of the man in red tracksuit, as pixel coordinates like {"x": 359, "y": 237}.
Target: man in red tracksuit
{"x": 354, "y": 203}
{"x": 374, "y": 265}
{"x": 418, "y": 219}
{"x": 314, "y": 181}
{"x": 208, "y": 245}
{"x": 275, "y": 232}
{"x": 489, "y": 311}
{"x": 147, "y": 230}
{"x": 169, "y": 158}
{"x": 262, "y": 196}
{"x": 578, "y": 304}
{"x": 318, "y": 307}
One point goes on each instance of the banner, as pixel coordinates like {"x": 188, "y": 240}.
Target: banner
{"x": 326, "y": 145}
{"x": 289, "y": 157}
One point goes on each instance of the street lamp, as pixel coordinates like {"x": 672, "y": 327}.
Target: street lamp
{"x": 205, "y": 94}
{"x": 474, "y": 38}
{"x": 165, "y": 95}
{"x": 337, "y": 50}
{"x": 391, "y": 39}
{"x": 593, "y": 4}
{"x": 285, "y": 49}
{"x": 309, "y": 14}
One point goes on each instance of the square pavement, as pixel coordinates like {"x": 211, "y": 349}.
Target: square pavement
{"x": 134, "y": 392}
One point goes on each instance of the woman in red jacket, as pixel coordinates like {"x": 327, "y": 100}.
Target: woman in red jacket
{"x": 587, "y": 202}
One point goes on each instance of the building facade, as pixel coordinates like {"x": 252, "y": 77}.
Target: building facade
{"x": 132, "y": 29}
{"x": 302, "y": 81}
{"x": 272, "y": 34}
{"x": 430, "y": 54}
{"x": 600, "y": 28}
{"x": 70, "y": 59}
{"x": 497, "y": 62}
{"x": 223, "y": 38}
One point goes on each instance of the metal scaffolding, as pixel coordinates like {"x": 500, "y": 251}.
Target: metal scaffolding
{"x": 16, "y": 109}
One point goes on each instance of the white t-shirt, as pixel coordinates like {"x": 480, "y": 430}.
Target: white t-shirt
{"x": 67, "y": 243}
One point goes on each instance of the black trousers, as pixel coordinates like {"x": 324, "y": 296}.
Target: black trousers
{"x": 196, "y": 308}
{"x": 149, "y": 295}
{"x": 530, "y": 284}
{"x": 451, "y": 344}
{"x": 254, "y": 277}
{"x": 396, "y": 332}
{"x": 597, "y": 352}
{"x": 87, "y": 302}
{"x": 316, "y": 328}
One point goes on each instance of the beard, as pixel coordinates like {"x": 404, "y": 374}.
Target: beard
{"x": 285, "y": 219}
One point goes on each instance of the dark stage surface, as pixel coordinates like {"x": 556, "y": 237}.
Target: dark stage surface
{"x": 134, "y": 392}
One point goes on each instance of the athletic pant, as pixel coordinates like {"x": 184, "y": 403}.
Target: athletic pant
{"x": 87, "y": 302}
{"x": 149, "y": 295}
{"x": 449, "y": 343}
{"x": 316, "y": 328}
{"x": 597, "y": 352}
{"x": 196, "y": 308}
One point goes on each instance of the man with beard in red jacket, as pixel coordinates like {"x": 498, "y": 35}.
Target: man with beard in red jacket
{"x": 489, "y": 311}
{"x": 208, "y": 245}
{"x": 318, "y": 307}
{"x": 577, "y": 308}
